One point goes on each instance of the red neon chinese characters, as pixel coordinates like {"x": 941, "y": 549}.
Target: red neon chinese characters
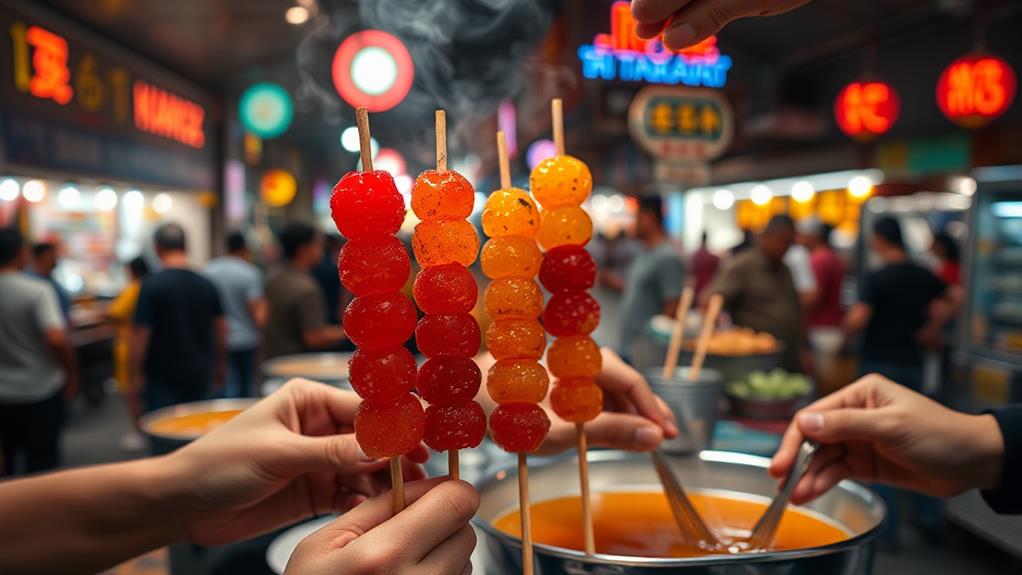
{"x": 51, "y": 77}
{"x": 866, "y": 109}
{"x": 163, "y": 114}
{"x": 975, "y": 89}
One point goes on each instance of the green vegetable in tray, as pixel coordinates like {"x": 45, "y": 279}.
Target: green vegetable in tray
{"x": 777, "y": 385}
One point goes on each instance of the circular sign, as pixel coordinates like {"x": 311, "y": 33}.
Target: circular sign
{"x": 278, "y": 188}
{"x": 684, "y": 125}
{"x": 539, "y": 151}
{"x": 864, "y": 110}
{"x": 975, "y": 89}
{"x": 373, "y": 70}
{"x": 265, "y": 109}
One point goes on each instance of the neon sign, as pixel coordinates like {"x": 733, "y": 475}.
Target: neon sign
{"x": 624, "y": 56}
{"x": 373, "y": 69}
{"x": 864, "y": 110}
{"x": 163, "y": 114}
{"x": 975, "y": 89}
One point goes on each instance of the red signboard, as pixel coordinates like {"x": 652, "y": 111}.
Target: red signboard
{"x": 864, "y": 110}
{"x": 975, "y": 89}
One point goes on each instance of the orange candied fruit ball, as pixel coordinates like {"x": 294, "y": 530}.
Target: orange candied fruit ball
{"x": 517, "y": 381}
{"x": 574, "y": 357}
{"x": 561, "y": 181}
{"x": 576, "y": 401}
{"x": 515, "y": 339}
{"x": 513, "y": 298}
{"x": 511, "y": 257}
{"x": 442, "y": 195}
{"x": 445, "y": 241}
{"x": 510, "y": 212}
{"x": 564, "y": 226}
{"x": 389, "y": 428}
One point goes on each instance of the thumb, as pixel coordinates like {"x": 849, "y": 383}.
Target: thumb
{"x": 339, "y": 454}
{"x": 624, "y": 431}
{"x": 847, "y": 424}
{"x": 697, "y": 21}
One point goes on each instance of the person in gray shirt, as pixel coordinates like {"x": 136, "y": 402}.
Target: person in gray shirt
{"x": 654, "y": 281}
{"x": 240, "y": 284}
{"x": 37, "y": 364}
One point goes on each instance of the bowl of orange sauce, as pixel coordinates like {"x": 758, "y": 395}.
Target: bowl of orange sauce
{"x": 635, "y": 532}
{"x": 172, "y": 427}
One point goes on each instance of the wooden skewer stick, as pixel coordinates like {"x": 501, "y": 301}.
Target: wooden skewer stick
{"x": 364, "y": 141}
{"x": 397, "y": 482}
{"x": 557, "y": 111}
{"x": 709, "y": 322}
{"x": 526, "y": 514}
{"x": 583, "y": 476}
{"x": 671, "y": 359}
{"x": 453, "y": 469}
{"x": 441, "y": 141}
{"x": 505, "y": 165}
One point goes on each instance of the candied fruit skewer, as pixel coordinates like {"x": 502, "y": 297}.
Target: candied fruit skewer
{"x": 445, "y": 244}
{"x": 517, "y": 382}
{"x": 561, "y": 184}
{"x": 374, "y": 265}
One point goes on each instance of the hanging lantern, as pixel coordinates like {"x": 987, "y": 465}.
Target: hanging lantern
{"x": 865, "y": 110}
{"x": 975, "y": 89}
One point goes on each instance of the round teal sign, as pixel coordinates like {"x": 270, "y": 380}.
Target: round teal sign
{"x": 266, "y": 110}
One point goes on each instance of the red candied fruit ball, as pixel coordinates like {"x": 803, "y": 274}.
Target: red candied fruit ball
{"x": 454, "y": 426}
{"x": 445, "y": 289}
{"x": 381, "y": 374}
{"x": 567, "y": 268}
{"x": 576, "y": 401}
{"x": 519, "y": 427}
{"x": 571, "y": 313}
{"x": 373, "y": 265}
{"x": 367, "y": 204}
{"x": 442, "y": 195}
{"x": 448, "y": 335}
{"x": 389, "y": 428}
{"x": 448, "y": 380}
{"x": 379, "y": 321}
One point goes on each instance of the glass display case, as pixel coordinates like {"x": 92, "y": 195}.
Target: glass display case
{"x": 995, "y": 309}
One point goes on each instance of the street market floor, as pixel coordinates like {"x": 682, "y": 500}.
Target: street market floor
{"x": 94, "y": 434}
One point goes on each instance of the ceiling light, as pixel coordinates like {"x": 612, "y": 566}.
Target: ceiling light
{"x": 349, "y": 139}
{"x": 106, "y": 199}
{"x": 860, "y": 187}
{"x": 69, "y": 197}
{"x": 34, "y": 190}
{"x": 9, "y": 189}
{"x": 761, "y": 195}
{"x": 133, "y": 200}
{"x": 296, "y": 15}
{"x": 802, "y": 191}
{"x": 162, "y": 203}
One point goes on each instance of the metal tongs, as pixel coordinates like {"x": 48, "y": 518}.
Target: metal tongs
{"x": 762, "y": 536}
{"x": 692, "y": 527}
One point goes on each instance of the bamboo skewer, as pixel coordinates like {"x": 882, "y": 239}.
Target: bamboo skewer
{"x": 365, "y": 147}
{"x": 671, "y": 359}
{"x": 502, "y": 161}
{"x": 523, "y": 506}
{"x": 709, "y": 323}
{"x": 557, "y": 111}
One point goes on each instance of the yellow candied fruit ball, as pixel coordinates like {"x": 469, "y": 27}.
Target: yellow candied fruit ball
{"x": 513, "y": 298}
{"x": 574, "y": 357}
{"x": 444, "y": 242}
{"x": 517, "y": 381}
{"x": 568, "y": 225}
{"x": 577, "y": 400}
{"x": 561, "y": 181}
{"x": 510, "y": 212}
{"x": 516, "y": 339}
{"x": 511, "y": 257}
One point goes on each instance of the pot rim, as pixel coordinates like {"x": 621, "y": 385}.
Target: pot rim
{"x": 211, "y": 405}
{"x": 709, "y": 455}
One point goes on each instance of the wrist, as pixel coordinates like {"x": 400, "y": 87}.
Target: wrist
{"x": 989, "y": 459}
{"x": 166, "y": 482}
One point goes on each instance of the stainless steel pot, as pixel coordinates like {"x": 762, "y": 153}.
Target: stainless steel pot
{"x": 162, "y": 443}
{"x": 851, "y": 505}
{"x": 693, "y": 403}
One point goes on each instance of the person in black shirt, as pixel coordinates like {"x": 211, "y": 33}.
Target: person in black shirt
{"x": 179, "y": 340}
{"x": 901, "y": 309}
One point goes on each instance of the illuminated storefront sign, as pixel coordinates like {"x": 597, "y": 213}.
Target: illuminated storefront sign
{"x": 864, "y": 110}
{"x": 265, "y": 109}
{"x": 975, "y": 89}
{"x": 373, "y": 69}
{"x": 72, "y": 102}
{"x": 622, "y": 55}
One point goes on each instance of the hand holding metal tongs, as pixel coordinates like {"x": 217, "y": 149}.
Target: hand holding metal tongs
{"x": 762, "y": 536}
{"x": 692, "y": 527}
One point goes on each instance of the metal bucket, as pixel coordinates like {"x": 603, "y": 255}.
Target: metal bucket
{"x": 694, "y": 404}
{"x": 163, "y": 443}
{"x": 854, "y": 507}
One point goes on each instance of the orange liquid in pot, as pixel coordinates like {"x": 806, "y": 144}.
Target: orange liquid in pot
{"x": 193, "y": 424}
{"x": 641, "y": 524}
